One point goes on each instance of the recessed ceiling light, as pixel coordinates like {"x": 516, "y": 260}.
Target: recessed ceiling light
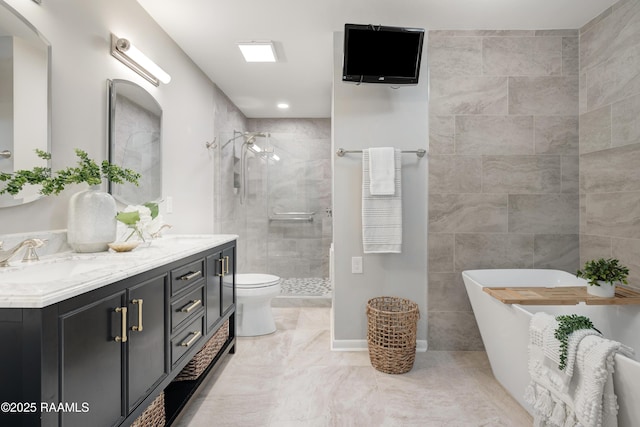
{"x": 283, "y": 105}
{"x": 262, "y": 51}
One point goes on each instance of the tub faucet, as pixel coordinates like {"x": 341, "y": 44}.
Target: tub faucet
{"x": 30, "y": 254}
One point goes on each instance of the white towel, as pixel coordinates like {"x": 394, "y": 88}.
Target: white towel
{"x": 382, "y": 170}
{"x": 582, "y": 397}
{"x": 381, "y": 215}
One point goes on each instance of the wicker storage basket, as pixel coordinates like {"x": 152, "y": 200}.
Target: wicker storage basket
{"x": 203, "y": 358}
{"x": 154, "y": 415}
{"x": 391, "y": 334}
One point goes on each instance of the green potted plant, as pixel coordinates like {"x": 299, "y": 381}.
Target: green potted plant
{"x": 87, "y": 170}
{"x": 603, "y": 275}
{"x": 91, "y": 220}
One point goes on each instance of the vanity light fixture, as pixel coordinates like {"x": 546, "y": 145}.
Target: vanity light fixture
{"x": 128, "y": 54}
{"x": 258, "y": 51}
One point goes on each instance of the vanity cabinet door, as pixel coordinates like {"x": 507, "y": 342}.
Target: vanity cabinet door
{"x": 215, "y": 269}
{"x": 228, "y": 279}
{"x": 220, "y": 285}
{"x": 91, "y": 363}
{"x": 147, "y": 357}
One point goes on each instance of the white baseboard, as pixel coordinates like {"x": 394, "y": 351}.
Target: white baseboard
{"x": 361, "y": 345}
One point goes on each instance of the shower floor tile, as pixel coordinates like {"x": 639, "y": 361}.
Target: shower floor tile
{"x": 306, "y": 286}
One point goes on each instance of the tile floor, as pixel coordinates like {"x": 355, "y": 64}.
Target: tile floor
{"x": 292, "y": 379}
{"x": 306, "y": 286}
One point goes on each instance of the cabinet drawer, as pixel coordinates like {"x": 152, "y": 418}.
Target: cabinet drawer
{"x": 184, "y": 276}
{"x": 186, "y": 307}
{"x": 187, "y": 339}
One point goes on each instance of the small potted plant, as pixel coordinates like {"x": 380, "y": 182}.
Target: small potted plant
{"x": 603, "y": 275}
{"x": 91, "y": 221}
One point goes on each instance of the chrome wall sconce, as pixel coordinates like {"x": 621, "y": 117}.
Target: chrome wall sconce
{"x": 123, "y": 50}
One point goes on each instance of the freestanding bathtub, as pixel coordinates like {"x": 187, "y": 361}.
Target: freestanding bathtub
{"x": 504, "y": 329}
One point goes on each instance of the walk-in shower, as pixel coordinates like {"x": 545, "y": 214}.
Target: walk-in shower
{"x": 274, "y": 191}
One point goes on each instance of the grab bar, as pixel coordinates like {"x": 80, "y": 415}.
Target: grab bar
{"x": 294, "y": 213}
{"x": 286, "y": 216}
{"x": 292, "y": 218}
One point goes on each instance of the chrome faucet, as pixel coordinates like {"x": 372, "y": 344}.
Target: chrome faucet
{"x": 30, "y": 254}
{"x": 158, "y": 233}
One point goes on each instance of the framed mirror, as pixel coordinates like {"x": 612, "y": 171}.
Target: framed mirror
{"x": 25, "y": 99}
{"x": 135, "y": 141}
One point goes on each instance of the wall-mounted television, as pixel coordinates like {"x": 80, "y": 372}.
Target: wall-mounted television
{"x": 382, "y": 54}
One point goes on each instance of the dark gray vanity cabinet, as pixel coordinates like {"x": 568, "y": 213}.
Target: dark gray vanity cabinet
{"x": 88, "y": 353}
{"x": 119, "y": 339}
{"x": 220, "y": 285}
{"x": 107, "y": 354}
{"x": 147, "y": 364}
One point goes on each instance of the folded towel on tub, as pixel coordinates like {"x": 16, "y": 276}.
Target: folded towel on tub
{"x": 582, "y": 396}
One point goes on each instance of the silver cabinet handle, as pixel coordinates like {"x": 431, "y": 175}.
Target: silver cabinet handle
{"x": 193, "y": 304}
{"x": 138, "y": 327}
{"x": 123, "y": 313}
{"x": 191, "y": 275}
{"x": 221, "y": 274}
{"x": 193, "y": 339}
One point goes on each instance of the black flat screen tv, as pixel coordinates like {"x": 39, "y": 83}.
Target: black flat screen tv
{"x": 382, "y": 54}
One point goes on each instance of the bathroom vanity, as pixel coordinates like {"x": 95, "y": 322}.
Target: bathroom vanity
{"x": 94, "y": 339}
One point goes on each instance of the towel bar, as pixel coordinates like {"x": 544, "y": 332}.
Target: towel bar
{"x": 420, "y": 152}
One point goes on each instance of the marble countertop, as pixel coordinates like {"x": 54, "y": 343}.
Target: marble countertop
{"x": 64, "y": 275}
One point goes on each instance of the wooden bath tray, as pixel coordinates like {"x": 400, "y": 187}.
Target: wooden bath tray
{"x": 565, "y": 295}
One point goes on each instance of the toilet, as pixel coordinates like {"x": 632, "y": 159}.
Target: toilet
{"x": 254, "y": 293}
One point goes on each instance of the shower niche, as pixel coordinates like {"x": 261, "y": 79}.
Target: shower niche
{"x": 273, "y": 189}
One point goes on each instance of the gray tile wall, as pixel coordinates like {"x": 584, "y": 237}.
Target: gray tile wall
{"x": 503, "y": 170}
{"x": 299, "y": 182}
{"x": 610, "y": 137}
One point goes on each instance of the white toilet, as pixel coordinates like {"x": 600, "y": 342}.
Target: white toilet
{"x": 254, "y": 293}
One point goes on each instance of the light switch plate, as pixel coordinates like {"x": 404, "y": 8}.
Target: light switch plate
{"x": 356, "y": 265}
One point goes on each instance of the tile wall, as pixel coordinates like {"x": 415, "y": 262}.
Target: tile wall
{"x": 610, "y": 137}
{"x": 300, "y": 181}
{"x": 503, "y": 169}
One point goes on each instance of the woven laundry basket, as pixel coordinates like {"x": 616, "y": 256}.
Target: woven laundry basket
{"x": 391, "y": 335}
{"x": 154, "y": 415}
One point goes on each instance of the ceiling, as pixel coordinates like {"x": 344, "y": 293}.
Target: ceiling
{"x": 302, "y": 30}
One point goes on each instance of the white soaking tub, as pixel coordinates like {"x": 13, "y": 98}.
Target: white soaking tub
{"x": 505, "y": 331}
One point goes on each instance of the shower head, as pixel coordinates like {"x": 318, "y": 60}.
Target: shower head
{"x": 250, "y": 137}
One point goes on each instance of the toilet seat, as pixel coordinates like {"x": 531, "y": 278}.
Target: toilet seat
{"x": 255, "y": 280}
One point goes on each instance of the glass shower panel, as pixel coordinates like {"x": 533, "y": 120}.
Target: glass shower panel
{"x": 274, "y": 192}
{"x": 299, "y": 186}
{"x": 238, "y": 211}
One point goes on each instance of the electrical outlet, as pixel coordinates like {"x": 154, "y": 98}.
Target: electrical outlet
{"x": 356, "y": 265}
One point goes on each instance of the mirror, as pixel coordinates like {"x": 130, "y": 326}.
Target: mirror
{"x": 135, "y": 141}
{"x": 25, "y": 99}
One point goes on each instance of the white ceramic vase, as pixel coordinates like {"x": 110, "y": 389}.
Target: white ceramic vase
{"x": 91, "y": 220}
{"x": 606, "y": 289}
